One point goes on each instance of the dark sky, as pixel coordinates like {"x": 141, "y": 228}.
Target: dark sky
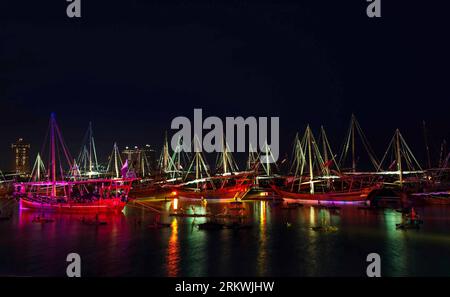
{"x": 131, "y": 66}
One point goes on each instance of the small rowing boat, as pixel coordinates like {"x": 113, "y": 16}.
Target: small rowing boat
{"x": 324, "y": 228}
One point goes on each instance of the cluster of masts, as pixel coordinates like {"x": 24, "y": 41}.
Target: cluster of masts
{"x": 311, "y": 157}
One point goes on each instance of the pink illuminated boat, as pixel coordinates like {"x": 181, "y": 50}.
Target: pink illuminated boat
{"x": 98, "y": 195}
{"x": 63, "y": 188}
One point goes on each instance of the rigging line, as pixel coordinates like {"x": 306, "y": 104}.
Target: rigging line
{"x": 333, "y": 156}
{"x": 385, "y": 154}
{"x": 300, "y": 162}
{"x": 346, "y": 146}
{"x": 58, "y": 155}
{"x": 410, "y": 152}
{"x": 64, "y": 147}
{"x": 95, "y": 154}
{"x": 188, "y": 171}
{"x": 110, "y": 158}
{"x": 32, "y": 170}
{"x": 294, "y": 151}
{"x": 44, "y": 144}
{"x": 425, "y": 136}
{"x": 145, "y": 207}
{"x": 328, "y": 148}
{"x": 367, "y": 145}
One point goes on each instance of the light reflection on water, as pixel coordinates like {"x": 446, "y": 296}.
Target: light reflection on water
{"x": 262, "y": 246}
{"x": 173, "y": 251}
{"x": 281, "y": 242}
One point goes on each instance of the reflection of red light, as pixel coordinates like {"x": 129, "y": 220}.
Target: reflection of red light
{"x": 174, "y": 193}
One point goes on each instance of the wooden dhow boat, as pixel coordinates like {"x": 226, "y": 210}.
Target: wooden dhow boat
{"x": 350, "y": 195}
{"x": 227, "y": 184}
{"x": 59, "y": 190}
{"x": 95, "y": 195}
{"x": 314, "y": 181}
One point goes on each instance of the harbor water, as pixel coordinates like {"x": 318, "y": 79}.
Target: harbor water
{"x": 280, "y": 242}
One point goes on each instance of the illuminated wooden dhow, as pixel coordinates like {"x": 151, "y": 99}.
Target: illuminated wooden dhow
{"x": 58, "y": 190}
{"x": 170, "y": 172}
{"x": 198, "y": 183}
{"x": 96, "y": 195}
{"x": 314, "y": 180}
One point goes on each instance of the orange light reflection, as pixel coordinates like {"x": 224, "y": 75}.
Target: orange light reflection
{"x": 173, "y": 251}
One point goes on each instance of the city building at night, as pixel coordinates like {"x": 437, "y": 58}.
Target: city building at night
{"x": 21, "y": 151}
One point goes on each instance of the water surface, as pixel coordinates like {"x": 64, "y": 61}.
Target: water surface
{"x": 281, "y": 243}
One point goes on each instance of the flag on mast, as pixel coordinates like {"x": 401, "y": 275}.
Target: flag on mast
{"x": 124, "y": 169}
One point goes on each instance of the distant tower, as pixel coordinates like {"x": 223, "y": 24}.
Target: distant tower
{"x": 21, "y": 157}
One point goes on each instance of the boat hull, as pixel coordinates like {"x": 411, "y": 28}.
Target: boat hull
{"x": 219, "y": 194}
{"x": 359, "y": 196}
{"x": 103, "y": 206}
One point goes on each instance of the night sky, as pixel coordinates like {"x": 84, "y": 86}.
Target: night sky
{"x": 131, "y": 66}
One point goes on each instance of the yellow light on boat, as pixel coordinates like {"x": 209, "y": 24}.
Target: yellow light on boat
{"x": 175, "y": 204}
{"x": 264, "y": 194}
{"x": 174, "y": 193}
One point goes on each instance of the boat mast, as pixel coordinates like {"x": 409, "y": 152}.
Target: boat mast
{"x": 174, "y": 161}
{"x": 299, "y": 162}
{"x": 253, "y": 158}
{"x": 87, "y": 158}
{"x": 197, "y": 171}
{"x": 267, "y": 159}
{"x": 165, "y": 159}
{"x": 53, "y": 153}
{"x": 116, "y": 163}
{"x": 399, "y": 157}
{"x": 353, "y": 144}
{"x": 38, "y": 169}
{"x": 38, "y": 159}
{"x": 325, "y": 150}
{"x": 90, "y": 147}
{"x": 224, "y": 156}
{"x": 427, "y": 148}
{"x": 350, "y": 141}
{"x": 143, "y": 163}
{"x": 311, "y": 174}
{"x": 199, "y": 164}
